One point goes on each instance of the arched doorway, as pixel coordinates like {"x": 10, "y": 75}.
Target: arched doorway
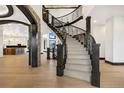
{"x": 34, "y": 37}
{"x": 34, "y": 55}
{"x": 15, "y": 24}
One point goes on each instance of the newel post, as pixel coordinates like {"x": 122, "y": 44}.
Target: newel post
{"x": 33, "y": 46}
{"x": 93, "y": 50}
{"x": 48, "y": 53}
{"x": 88, "y": 31}
{"x": 59, "y": 68}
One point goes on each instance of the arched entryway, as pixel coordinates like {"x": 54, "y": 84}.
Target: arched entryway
{"x": 34, "y": 46}
{"x": 15, "y": 23}
{"x": 34, "y": 37}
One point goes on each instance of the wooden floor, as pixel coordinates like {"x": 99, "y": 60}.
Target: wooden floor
{"x": 15, "y": 72}
{"x": 111, "y": 76}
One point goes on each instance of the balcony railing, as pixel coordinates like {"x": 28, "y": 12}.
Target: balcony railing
{"x": 74, "y": 15}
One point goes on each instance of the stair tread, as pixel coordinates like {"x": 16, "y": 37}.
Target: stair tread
{"x": 79, "y": 68}
{"x": 77, "y": 51}
{"x": 75, "y": 70}
{"x": 78, "y": 57}
{"x": 82, "y": 54}
{"x": 80, "y": 63}
{"x": 83, "y": 60}
{"x": 78, "y": 75}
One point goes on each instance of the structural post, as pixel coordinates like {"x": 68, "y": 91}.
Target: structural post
{"x": 29, "y": 45}
{"x": 33, "y": 46}
{"x": 88, "y": 24}
{"x": 48, "y": 53}
{"x": 95, "y": 74}
{"x": 60, "y": 67}
{"x": 53, "y": 53}
{"x": 88, "y": 31}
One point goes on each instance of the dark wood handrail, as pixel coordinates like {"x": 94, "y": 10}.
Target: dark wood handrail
{"x": 70, "y": 23}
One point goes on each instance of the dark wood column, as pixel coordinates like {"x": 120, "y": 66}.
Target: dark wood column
{"x": 34, "y": 39}
{"x": 29, "y": 45}
{"x": 88, "y": 31}
{"x": 94, "y": 55}
{"x": 88, "y": 24}
{"x": 33, "y": 55}
{"x": 59, "y": 67}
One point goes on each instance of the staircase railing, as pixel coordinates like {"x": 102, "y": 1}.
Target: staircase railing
{"x": 72, "y": 16}
{"x": 61, "y": 48}
{"x": 52, "y": 22}
{"x": 83, "y": 36}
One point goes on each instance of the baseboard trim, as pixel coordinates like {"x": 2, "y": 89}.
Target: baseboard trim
{"x": 102, "y": 58}
{"x": 113, "y": 63}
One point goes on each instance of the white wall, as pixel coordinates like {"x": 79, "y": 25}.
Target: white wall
{"x": 118, "y": 39}
{"x": 115, "y": 40}
{"x": 87, "y": 9}
{"x": 98, "y": 32}
{"x": 109, "y": 40}
{"x": 1, "y": 41}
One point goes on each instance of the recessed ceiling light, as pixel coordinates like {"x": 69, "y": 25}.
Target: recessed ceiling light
{"x": 94, "y": 21}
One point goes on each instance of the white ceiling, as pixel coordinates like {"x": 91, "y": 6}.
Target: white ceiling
{"x": 60, "y": 6}
{"x": 3, "y": 10}
{"x": 17, "y": 15}
{"x": 101, "y": 13}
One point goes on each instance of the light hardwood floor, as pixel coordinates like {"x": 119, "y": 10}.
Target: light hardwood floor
{"x": 111, "y": 76}
{"x": 15, "y": 72}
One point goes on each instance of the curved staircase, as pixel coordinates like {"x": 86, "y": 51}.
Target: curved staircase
{"x": 78, "y": 53}
{"x": 78, "y": 63}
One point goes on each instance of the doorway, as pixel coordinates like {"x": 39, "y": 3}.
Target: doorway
{"x": 14, "y": 40}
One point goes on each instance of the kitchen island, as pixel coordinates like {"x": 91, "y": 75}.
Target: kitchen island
{"x": 14, "y": 49}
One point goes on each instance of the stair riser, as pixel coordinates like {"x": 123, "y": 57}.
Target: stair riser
{"x": 86, "y": 68}
{"x": 79, "y": 57}
{"x": 75, "y": 46}
{"x": 77, "y": 50}
{"x": 78, "y": 54}
{"x": 83, "y": 62}
{"x": 72, "y": 44}
{"x": 78, "y": 75}
{"x": 74, "y": 53}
